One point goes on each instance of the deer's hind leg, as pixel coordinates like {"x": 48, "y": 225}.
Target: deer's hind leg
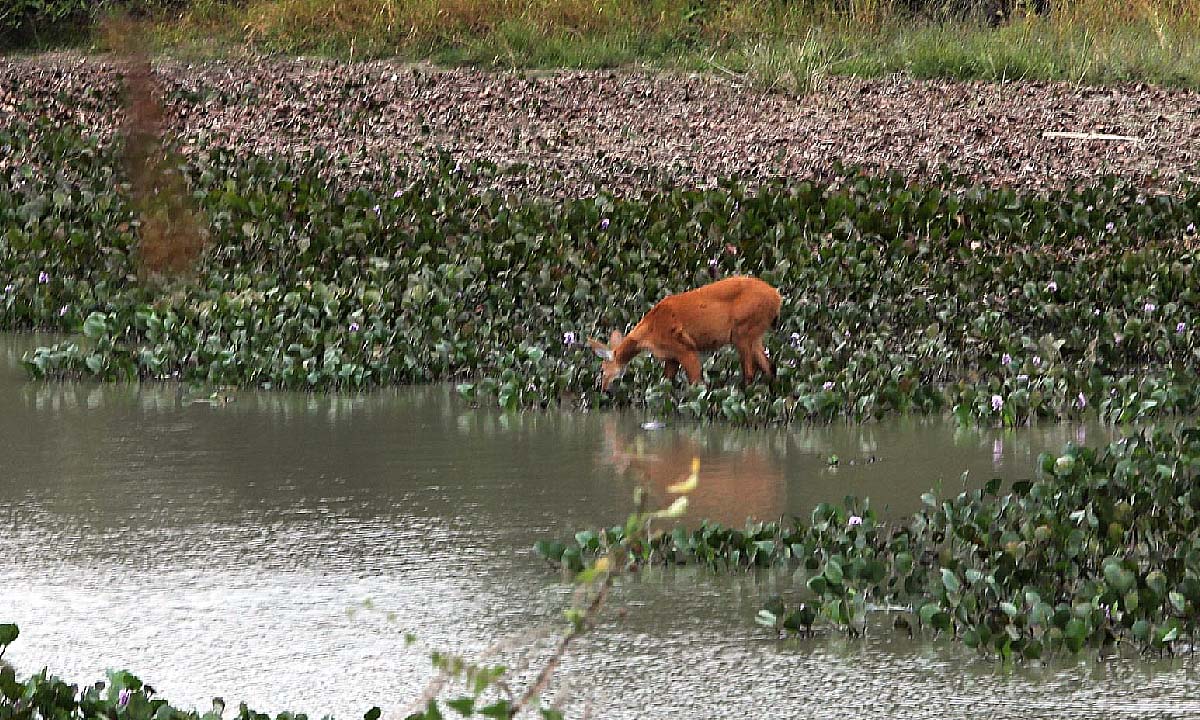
{"x": 748, "y": 357}
{"x": 691, "y": 366}
{"x": 763, "y": 362}
{"x": 672, "y": 367}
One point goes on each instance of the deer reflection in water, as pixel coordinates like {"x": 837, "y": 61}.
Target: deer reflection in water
{"x": 734, "y": 484}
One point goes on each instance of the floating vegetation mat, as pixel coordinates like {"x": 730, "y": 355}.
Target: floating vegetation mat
{"x": 998, "y": 306}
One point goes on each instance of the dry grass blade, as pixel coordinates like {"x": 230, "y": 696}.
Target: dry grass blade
{"x": 1090, "y": 136}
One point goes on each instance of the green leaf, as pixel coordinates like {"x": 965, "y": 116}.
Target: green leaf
{"x": 10, "y": 689}
{"x": 1141, "y": 630}
{"x": 500, "y": 709}
{"x": 833, "y": 571}
{"x": 550, "y": 550}
{"x": 464, "y": 706}
{"x": 432, "y": 712}
{"x": 950, "y": 581}
{"x": 1157, "y": 582}
{"x": 8, "y": 633}
{"x": 927, "y": 612}
{"x": 1117, "y": 576}
{"x": 1075, "y": 629}
{"x": 95, "y": 326}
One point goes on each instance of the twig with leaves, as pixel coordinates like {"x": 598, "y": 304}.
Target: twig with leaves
{"x": 593, "y": 589}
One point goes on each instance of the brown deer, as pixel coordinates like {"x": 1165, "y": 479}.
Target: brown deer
{"x": 735, "y": 311}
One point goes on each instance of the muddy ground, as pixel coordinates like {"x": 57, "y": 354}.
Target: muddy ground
{"x": 627, "y": 131}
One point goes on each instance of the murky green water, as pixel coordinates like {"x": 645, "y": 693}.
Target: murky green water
{"x": 228, "y": 550}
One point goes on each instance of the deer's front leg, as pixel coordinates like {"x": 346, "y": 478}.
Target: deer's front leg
{"x": 671, "y": 369}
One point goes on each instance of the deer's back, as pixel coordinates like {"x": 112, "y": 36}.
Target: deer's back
{"x": 709, "y": 315}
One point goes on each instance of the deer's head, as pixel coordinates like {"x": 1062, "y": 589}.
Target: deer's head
{"x": 610, "y": 367}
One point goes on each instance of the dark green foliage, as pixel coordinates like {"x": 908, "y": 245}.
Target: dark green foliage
{"x": 44, "y": 696}
{"x": 23, "y": 21}
{"x": 897, "y": 298}
{"x": 38, "y": 22}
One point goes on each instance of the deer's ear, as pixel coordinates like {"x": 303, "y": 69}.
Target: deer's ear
{"x": 615, "y": 339}
{"x": 600, "y": 349}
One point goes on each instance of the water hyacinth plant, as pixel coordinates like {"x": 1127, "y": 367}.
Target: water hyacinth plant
{"x": 1102, "y": 550}
{"x": 897, "y": 298}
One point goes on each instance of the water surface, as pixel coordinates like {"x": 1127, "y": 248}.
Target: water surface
{"x": 275, "y": 549}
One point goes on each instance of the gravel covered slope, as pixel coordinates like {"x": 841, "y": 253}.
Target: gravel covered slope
{"x": 628, "y": 130}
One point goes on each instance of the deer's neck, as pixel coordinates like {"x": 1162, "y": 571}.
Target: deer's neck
{"x": 627, "y": 350}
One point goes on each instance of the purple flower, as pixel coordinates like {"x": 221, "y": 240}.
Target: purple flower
{"x": 43, "y": 277}
{"x": 377, "y": 210}
{"x": 397, "y": 194}
{"x": 1110, "y": 227}
{"x": 1181, "y": 327}
{"x": 604, "y": 224}
{"x": 1037, "y": 361}
{"x": 712, "y": 262}
{"x": 1051, "y": 286}
{"x": 1190, "y": 229}
{"x": 568, "y": 338}
{"x": 353, "y": 327}
{"x": 997, "y": 403}
{"x": 63, "y": 310}
{"x": 123, "y": 697}
{"x": 1150, "y": 307}
{"x": 828, "y": 385}
{"x": 1081, "y": 401}
{"x": 855, "y": 520}
{"x": 9, "y": 288}
{"x": 1006, "y": 359}
{"x": 796, "y": 340}
{"x": 1022, "y": 377}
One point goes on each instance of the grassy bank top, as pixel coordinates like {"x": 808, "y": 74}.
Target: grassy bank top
{"x": 789, "y": 45}
{"x": 630, "y": 131}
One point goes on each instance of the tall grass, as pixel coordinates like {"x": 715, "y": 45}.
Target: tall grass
{"x": 785, "y": 44}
